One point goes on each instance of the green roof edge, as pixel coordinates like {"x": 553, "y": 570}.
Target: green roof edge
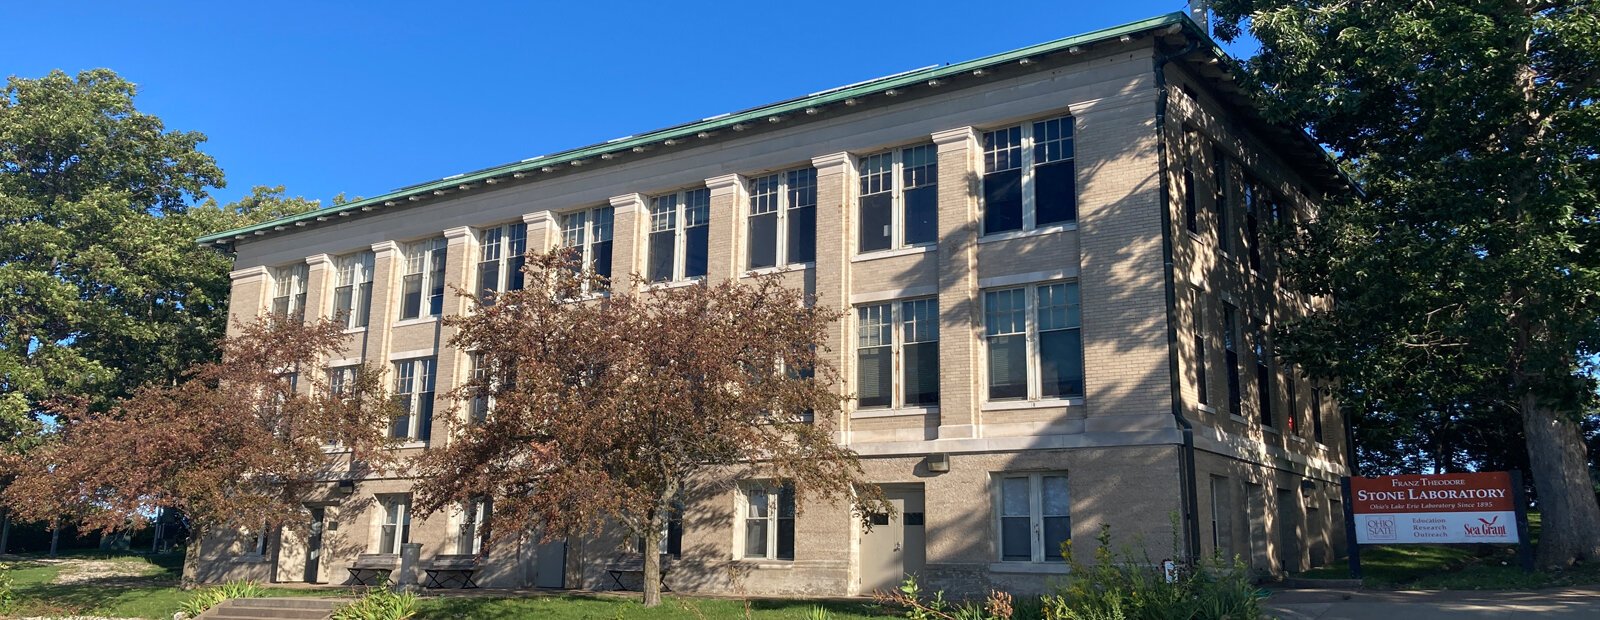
{"x": 692, "y": 128}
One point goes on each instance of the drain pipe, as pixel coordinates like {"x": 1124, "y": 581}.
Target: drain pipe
{"x": 1186, "y": 459}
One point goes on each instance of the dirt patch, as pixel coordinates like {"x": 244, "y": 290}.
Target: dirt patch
{"x": 105, "y": 572}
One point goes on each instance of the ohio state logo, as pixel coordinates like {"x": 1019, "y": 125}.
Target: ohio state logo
{"x": 1486, "y": 527}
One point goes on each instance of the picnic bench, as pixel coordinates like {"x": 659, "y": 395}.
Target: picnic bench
{"x": 634, "y": 565}
{"x": 372, "y": 569}
{"x": 445, "y": 570}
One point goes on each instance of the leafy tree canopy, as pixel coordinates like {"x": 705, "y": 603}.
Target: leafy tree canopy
{"x": 1467, "y": 281}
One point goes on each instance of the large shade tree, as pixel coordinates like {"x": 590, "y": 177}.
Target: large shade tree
{"x": 238, "y": 445}
{"x": 1468, "y": 279}
{"x": 601, "y": 410}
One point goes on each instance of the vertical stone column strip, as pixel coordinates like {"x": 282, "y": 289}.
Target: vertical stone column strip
{"x": 247, "y": 298}
{"x": 627, "y": 236}
{"x": 835, "y": 172}
{"x": 387, "y": 262}
{"x": 544, "y": 231}
{"x": 320, "y": 279}
{"x": 725, "y": 256}
{"x": 461, "y": 258}
{"x": 960, "y": 378}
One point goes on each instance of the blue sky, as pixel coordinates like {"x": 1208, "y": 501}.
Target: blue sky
{"x": 329, "y": 97}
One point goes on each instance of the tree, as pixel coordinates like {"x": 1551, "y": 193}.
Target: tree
{"x": 1468, "y": 277}
{"x": 605, "y": 409}
{"x": 102, "y": 288}
{"x": 237, "y": 445}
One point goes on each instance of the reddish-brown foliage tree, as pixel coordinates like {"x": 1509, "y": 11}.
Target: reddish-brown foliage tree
{"x": 605, "y": 407}
{"x": 238, "y": 445}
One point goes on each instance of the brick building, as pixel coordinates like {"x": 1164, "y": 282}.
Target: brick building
{"x": 1059, "y": 297}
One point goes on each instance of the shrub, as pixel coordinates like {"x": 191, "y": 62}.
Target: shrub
{"x": 379, "y": 605}
{"x": 213, "y": 596}
{"x": 1117, "y": 587}
{"x": 8, "y": 598}
{"x": 999, "y": 605}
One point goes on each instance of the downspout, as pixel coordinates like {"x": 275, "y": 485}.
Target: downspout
{"x": 1186, "y": 458}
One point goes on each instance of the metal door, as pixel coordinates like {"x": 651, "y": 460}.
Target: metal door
{"x": 895, "y": 546}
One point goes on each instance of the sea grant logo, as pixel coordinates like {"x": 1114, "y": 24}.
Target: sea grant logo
{"x": 1485, "y": 528}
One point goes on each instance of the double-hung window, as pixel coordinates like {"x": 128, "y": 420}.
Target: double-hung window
{"x": 899, "y": 198}
{"x": 1035, "y": 342}
{"x": 1318, "y": 397}
{"x": 1029, "y": 178}
{"x": 781, "y": 228}
{"x": 768, "y": 514}
{"x": 504, "y": 250}
{"x": 352, "y": 296}
{"x": 289, "y": 290}
{"x": 413, "y": 392}
{"x": 680, "y": 226}
{"x": 587, "y": 234}
{"x": 396, "y": 527}
{"x": 1230, "y": 353}
{"x": 1252, "y": 222}
{"x": 473, "y": 526}
{"x": 1263, "y": 378}
{"x": 482, "y": 399}
{"x": 903, "y": 334}
{"x": 1219, "y": 200}
{"x": 1191, "y": 211}
{"x": 422, "y": 286}
{"x": 1035, "y": 516}
{"x": 1202, "y": 377}
{"x": 341, "y": 382}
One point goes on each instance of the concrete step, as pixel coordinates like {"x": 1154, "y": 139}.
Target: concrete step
{"x": 272, "y": 609}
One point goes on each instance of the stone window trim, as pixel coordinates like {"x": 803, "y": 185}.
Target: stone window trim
{"x": 1030, "y": 329}
{"x": 777, "y": 218}
{"x": 906, "y": 331}
{"x": 391, "y": 523}
{"x": 1031, "y": 507}
{"x": 1019, "y": 164}
{"x": 289, "y": 285}
{"x": 766, "y": 517}
{"x": 677, "y": 246}
{"x": 898, "y": 190}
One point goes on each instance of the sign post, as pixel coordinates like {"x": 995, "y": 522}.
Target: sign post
{"x": 1485, "y": 507}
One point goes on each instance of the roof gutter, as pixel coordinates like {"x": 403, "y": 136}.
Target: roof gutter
{"x": 1186, "y": 461}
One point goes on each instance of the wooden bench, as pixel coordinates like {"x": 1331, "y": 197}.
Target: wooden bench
{"x": 372, "y": 569}
{"x": 634, "y": 565}
{"x": 444, "y": 570}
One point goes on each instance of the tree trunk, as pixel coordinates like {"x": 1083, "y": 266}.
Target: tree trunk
{"x": 191, "y": 558}
{"x": 55, "y": 538}
{"x": 652, "y": 565}
{"x": 5, "y": 533}
{"x": 1559, "y": 463}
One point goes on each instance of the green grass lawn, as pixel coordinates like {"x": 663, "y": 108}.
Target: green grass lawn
{"x": 131, "y": 586}
{"x": 576, "y": 607}
{"x": 1453, "y": 567}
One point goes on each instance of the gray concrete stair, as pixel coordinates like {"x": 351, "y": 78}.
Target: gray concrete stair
{"x": 273, "y": 609}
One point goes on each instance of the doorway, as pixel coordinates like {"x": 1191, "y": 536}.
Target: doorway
{"x": 550, "y": 564}
{"x": 895, "y": 546}
{"x": 314, "y": 544}
{"x": 1288, "y": 531}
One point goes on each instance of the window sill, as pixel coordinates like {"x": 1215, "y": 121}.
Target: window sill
{"x": 1207, "y": 409}
{"x": 355, "y": 330}
{"x": 335, "y": 450}
{"x": 417, "y": 321}
{"x": 1297, "y": 439}
{"x": 892, "y": 413}
{"x": 764, "y": 564}
{"x": 1029, "y": 568}
{"x": 1021, "y": 234}
{"x": 906, "y": 251}
{"x": 1195, "y": 236}
{"x": 1272, "y": 429}
{"x": 412, "y": 444}
{"x": 767, "y": 271}
{"x": 1048, "y": 403}
{"x": 250, "y": 558}
{"x": 661, "y": 286}
{"x": 1237, "y": 418}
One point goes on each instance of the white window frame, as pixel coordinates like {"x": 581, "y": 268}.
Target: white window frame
{"x": 419, "y": 258}
{"x": 897, "y": 343}
{"x": 475, "y": 364}
{"x": 783, "y": 203}
{"x": 772, "y": 518}
{"x": 472, "y": 514}
{"x": 499, "y": 240}
{"x": 680, "y": 233}
{"x": 355, "y": 270}
{"x": 584, "y": 236}
{"x": 1031, "y": 336}
{"x": 399, "y": 519}
{"x": 289, "y": 284}
{"x": 1029, "y": 208}
{"x": 897, "y": 200}
{"x": 422, "y": 371}
{"x": 1036, "y": 513}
